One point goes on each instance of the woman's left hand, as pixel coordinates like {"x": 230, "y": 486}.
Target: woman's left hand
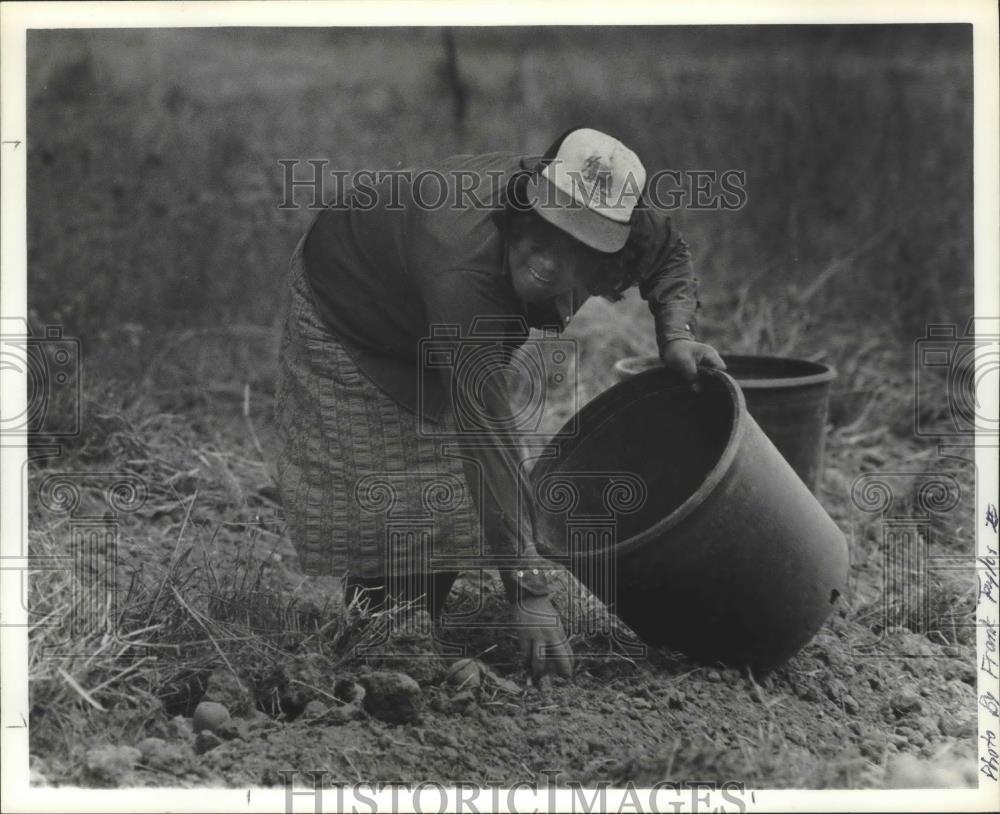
{"x": 544, "y": 646}
{"x": 685, "y": 356}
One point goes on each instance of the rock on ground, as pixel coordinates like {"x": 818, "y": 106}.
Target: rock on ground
{"x": 210, "y": 716}
{"x": 164, "y": 755}
{"x": 206, "y": 741}
{"x": 111, "y": 765}
{"x": 392, "y": 697}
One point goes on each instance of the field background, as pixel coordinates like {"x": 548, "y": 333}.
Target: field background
{"x": 155, "y": 236}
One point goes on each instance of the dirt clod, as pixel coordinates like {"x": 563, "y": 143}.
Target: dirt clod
{"x": 905, "y": 702}
{"x": 231, "y": 730}
{"x": 164, "y": 755}
{"x": 206, "y": 741}
{"x": 466, "y": 673}
{"x": 461, "y": 701}
{"x": 392, "y": 697}
{"x": 350, "y": 692}
{"x": 111, "y": 765}
{"x": 342, "y": 715}
{"x": 315, "y": 709}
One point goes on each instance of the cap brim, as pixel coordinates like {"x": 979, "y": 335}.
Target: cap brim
{"x": 581, "y": 222}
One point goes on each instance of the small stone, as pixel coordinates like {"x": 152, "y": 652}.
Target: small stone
{"x": 206, "y": 741}
{"x": 158, "y": 753}
{"x": 180, "y": 728}
{"x": 730, "y": 675}
{"x": 315, "y": 709}
{"x": 851, "y": 706}
{"x": 350, "y": 692}
{"x": 209, "y": 715}
{"x": 111, "y": 765}
{"x": 231, "y": 730}
{"x": 338, "y": 716}
{"x": 462, "y": 701}
{"x": 392, "y": 697}
{"x": 148, "y": 746}
{"x": 466, "y": 673}
{"x": 713, "y": 675}
{"x": 905, "y": 702}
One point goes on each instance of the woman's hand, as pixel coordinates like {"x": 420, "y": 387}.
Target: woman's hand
{"x": 544, "y": 646}
{"x": 685, "y": 356}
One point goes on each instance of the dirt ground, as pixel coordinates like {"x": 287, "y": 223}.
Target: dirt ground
{"x": 859, "y": 706}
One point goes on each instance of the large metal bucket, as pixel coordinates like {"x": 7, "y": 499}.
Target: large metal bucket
{"x": 676, "y": 510}
{"x": 789, "y": 398}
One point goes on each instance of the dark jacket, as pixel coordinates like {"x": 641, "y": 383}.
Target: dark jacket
{"x": 409, "y": 269}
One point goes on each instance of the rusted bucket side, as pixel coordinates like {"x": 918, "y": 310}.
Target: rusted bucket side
{"x": 730, "y": 557}
{"x": 789, "y": 398}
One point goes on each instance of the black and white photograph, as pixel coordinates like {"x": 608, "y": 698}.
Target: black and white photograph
{"x": 445, "y": 407}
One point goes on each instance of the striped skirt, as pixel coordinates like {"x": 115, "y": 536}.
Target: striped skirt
{"x": 364, "y": 493}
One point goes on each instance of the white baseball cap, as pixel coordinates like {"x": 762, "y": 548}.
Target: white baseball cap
{"x": 590, "y": 189}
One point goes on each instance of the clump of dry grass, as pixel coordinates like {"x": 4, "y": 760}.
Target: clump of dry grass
{"x": 192, "y": 581}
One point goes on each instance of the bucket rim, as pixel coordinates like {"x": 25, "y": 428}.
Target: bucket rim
{"x": 824, "y": 373}
{"x": 711, "y": 482}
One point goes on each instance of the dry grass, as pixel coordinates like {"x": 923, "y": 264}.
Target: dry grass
{"x": 197, "y": 586}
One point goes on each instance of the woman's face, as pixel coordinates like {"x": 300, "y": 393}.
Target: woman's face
{"x": 545, "y": 262}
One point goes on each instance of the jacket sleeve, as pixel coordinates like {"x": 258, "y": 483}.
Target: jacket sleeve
{"x": 668, "y": 284}
{"x": 460, "y": 304}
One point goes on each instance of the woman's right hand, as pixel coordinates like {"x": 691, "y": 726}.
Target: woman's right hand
{"x": 545, "y": 647}
{"x": 685, "y": 356}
